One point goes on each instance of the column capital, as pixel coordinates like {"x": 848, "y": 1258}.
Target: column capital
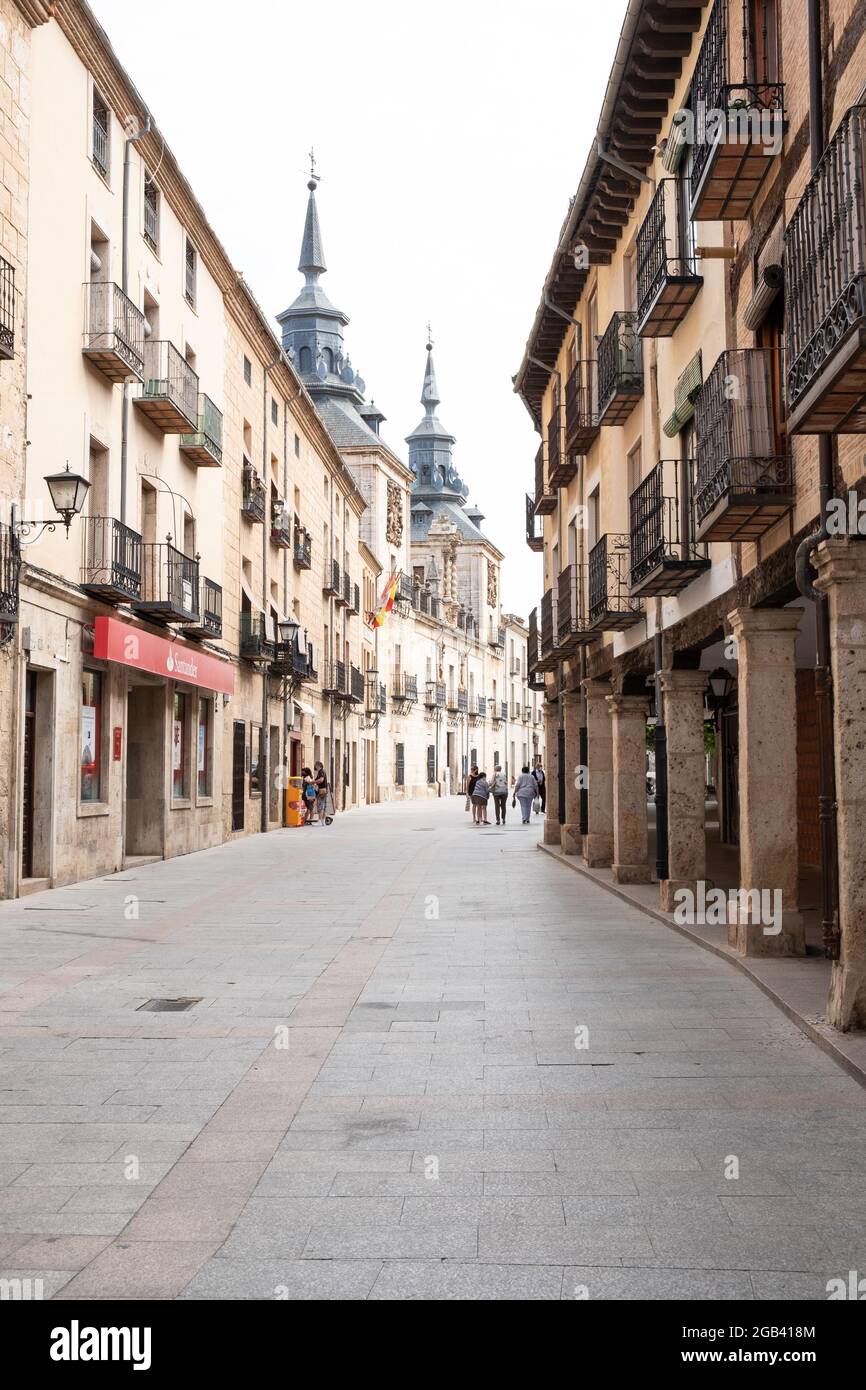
{"x": 628, "y": 704}
{"x": 746, "y": 621}
{"x": 676, "y": 682}
{"x": 572, "y": 699}
{"x": 551, "y": 714}
{"x": 596, "y": 689}
{"x": 839, "y": 560}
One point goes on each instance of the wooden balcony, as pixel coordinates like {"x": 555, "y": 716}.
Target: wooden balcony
{"x": 169, "y": 393}
{"x": 111, "y": 560}
{"x": 667, "y": 281}
{"x": 581, "y": 410}
{"x": 205, "y": 447}
{"x": 113, "y": 332}
{"x": 743, "y": 473}
{"x": 738, "y": 125}
{"x": 611, "y": 606}
{"x": 620, "y": 369}
{"x": 169, "y": 584}
{"x": 664, "y": 556}
{"x": 825, "y": 290}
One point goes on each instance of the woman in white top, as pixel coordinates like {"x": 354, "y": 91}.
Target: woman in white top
{"x": 525, "y": 789}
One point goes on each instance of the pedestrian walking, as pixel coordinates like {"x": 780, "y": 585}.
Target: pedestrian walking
{"x": 324, "y": 803}
{"x": 470, "y": 785}
{"x": 480, "y": 797}
{"x": 499, "y": 791}
{"x": 541, "y": 784}
{"x": 308, "y": 794}
{"x": 525, "y": 791}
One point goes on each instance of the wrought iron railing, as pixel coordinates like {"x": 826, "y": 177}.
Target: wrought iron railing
{"x": 435, "y": 694}
{"x": 356, "y": 685}
{"x": 209, "y": 432}
{"x": 113, "y": 324}
{"x": 738, "y": 448}
{"x": 549, "y": 622}
{"x": 101, "y": 135}
{"x": 620, "y": 360}
{"x": 611, "y": 607}
{"x": 335, "y": 680}
{"x": 255, "y": 640}
{"x": 255, "y": 498}
{"x": 533, "y": 647}
{"x": 151, "y": 213}
{"x": 210, "y": 604}
{"x": 404, "y": 688}
{"x": 168, "y": 375}
{"x": 660, "y": 520}
{"x": 281, "y": 525}
{"x": 534, "y": 526}
{"x": 7, "y": 309}
{"x": 825, "y": 258}
{"x": 545, "y": 496}
{"x": 570, "y": 620}
{"x": 169, "y": 580}
{"x": 331, "y": 578}
{"x": 554, "y": 444}
{"x": 665, "y": 246}
{"x": 581, "y": 406}
{"x": 303, "y": 551}
{"x": 10, "y": 567}
{"x": 111, "y": 557}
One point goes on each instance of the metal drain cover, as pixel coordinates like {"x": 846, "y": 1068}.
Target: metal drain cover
{"x": 168, "y": 1006}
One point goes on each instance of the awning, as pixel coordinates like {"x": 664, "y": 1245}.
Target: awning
{"x": 144, "y": 651}
{"x": 685, "y": 393}
{"x": 304, "y": 708}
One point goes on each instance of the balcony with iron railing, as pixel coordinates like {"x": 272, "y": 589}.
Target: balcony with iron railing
{"x": 451, "y": 700}
{"x": 738, "y": 124}
{"x": 113, "y": 332}
{"x": 7, "y": 310}
{"x": 302, "y": 552}
{"x": 170, "y": 390}
{"x": 10, "y": 568}
{"x": 744, "y": 480}
{"x": 667, "y": 278}
{"x": 331, "y": 583}
{"x": 353, "y": 606}
{"x": 375, "y": 698}
{"x": 496, "y": 636}
{"x": 572, "y": 630}
{"x": 545, "y": 495}
{"x": 549, "y": 641}
{"x": 210, "y": 610}
{"x": 404, "y": 690}
{"x": 335, "y": 680}
{"x": 561, "y": 466}
{"x": 169, "y": 584}
{"x": 205, "y": 447}
{"x": 111, "y": 559}
{"x": 407, "y": 593}
{"x": 611, "y": 606}
{"x": 294, "y": 661}
{"x": 435, "y": 694}
{"x": 534, "y": 670}
{"x": 254, "y": 496}
{"x": 281, "y": 525}
{"x": 534, "y": 526}
{"x": 825, "y": 290}
{"x": 581, "y": 409}
{"x": 620, "y": 369}
{"x": 478, "y": 708}
{"x": 255, "y": 638}
{"x": 664, "y": 555}
{"x": 356, "y": 685}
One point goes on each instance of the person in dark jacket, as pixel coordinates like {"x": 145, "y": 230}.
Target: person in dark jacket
{"x": 541, "y": 783}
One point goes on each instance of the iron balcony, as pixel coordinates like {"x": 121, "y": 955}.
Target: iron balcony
{"x": 354, "y": 604}
{"x": 561, "y": 467}
{"x": 255, "y": 640}
{"x": 331, "y": 578}
{"x": 534, "y": 528}
{"x": 581, "y": 411}
{"x": 356, "y": 685}
{"x": 533, "y": 654}
{"x": 545, "y": 497}
{"x": 620, "y": 369}
{"x": 254, "y": 497}
{"x": 496, "y": 637}
{"x": 548, "y": 648}
{"x": 111, "y": 560}
{"x": 611, "y": 606}
{"x": 571, "y": 626}
{"x": 302, "y": 554}
{"x": 169, "y": 395}
{"x": 743, "y": 473}
{"x": 375, "y": 698}
{"x": 169, "y": 584}
{"x": 335, "y": 680}
{"x": 340, "y": 588}
{"x": 281, "y": 526}
{"x": 113, "y": 332}
{"x": 205, "y": 446}
{"x": 434, "y": 695}
{"x": 825, "y": 290}
{"x": 7, "y": 310}
{"x": 404, "y": 689}
{"x": 292, "y": 660}
{"x": 10, "y": 567}
{"x": 210, "y": 608}
{"x": 737, "y": 124}
{"x": 664, "y": 556}
{"x": 667, "y": 281}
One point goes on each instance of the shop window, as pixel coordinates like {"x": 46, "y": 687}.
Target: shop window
{"x": 204, "y": 753}
{"x": 90, "y": 740}
{"x": 255, "y": 759}
{"x": 179, "y": 748}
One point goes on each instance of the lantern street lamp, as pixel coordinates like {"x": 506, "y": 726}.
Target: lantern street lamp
{"x": 67, "y": 492}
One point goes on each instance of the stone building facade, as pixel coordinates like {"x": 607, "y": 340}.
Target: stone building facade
{"x": 705, "y": 314}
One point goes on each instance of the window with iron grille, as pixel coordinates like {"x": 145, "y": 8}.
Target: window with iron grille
{"x": 191, "y": 270}
{"x": 248, "y": 371}
{"x": 400, "y": 765}
{"x": 101, "y": 134}
{"x": 151, "y": 212}
{"x": 431, "y": 762}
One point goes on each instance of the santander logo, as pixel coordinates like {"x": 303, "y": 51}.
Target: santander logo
{"x": 182, "y": 664}
{"x": 169, "y": 660}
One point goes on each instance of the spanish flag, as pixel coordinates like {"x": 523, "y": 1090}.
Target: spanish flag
{"x": 386, "y": 603}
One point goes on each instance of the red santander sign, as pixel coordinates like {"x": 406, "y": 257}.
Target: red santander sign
{"x": 130, "y": 646}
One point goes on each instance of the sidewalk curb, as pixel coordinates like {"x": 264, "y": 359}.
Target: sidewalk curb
{"x": 821, "y": 1034}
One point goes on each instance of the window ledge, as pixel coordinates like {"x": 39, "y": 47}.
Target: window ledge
{"x": 181, "y": 803}
{"x": 93, "y": 808}
{"x": 204, "y": 801}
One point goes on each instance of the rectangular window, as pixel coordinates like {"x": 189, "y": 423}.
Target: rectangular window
{"x": 297, "y": 446}
{"x": 400, "y": 765}
{"x": 431, "y": 762}
{"x": 204, "y": 751}
{"x": 255, "y": 759}
{"x": 275, "y": 412}
{"x": 90, "y": 736}
{"x": 248, "y": 371}
{"x": 191, "y": 272}
{"x": 101, "y": 134}
{"x": 151, "y": 212}
{"x": 180, "y": 748}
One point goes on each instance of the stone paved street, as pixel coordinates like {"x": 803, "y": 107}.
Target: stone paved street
{"x": 379, "y": 1094}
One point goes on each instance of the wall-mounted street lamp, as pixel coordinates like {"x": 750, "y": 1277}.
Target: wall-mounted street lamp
{"x": 288, "y": 630}
{"x": 721, "y": 684}
{"x": 67, "y": 492}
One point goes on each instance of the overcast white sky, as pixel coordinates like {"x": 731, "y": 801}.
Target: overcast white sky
{"x": 449, "y": 138}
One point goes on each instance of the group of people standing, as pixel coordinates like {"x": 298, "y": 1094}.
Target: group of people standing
{"x": 527, "y": 789}
{"x": 316, "y": 795}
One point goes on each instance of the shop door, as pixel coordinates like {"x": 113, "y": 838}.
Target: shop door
{"x": 29, "y": 776}
{"x": 239, "y": 752}
{"x": 147, "y": 745}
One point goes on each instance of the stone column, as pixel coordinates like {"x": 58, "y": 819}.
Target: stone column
{"x": 552, "y": 831}
{"x": 572, "y": 841}
{"x": 598, "y": 842}
{"x": 767, "y": 698}
{"x": 683, "y": 695}
{"x": 841, "y": 565}
{"x": 630, "y": 849}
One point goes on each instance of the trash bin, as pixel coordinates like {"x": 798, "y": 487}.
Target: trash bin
{"x": 295, "y": 801}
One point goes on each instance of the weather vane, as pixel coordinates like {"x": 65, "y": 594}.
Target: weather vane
{"x": 314, "y": 177}
{"x": 429, "y": 337}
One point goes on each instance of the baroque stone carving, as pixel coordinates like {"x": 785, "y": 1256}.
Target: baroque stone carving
{"x": 394, "y": 522}
{"x": 491, "y": 584}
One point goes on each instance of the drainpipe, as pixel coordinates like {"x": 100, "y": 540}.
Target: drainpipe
{"x": 265, "y": 744}
{"x": 661, "y": 740}
{"x": 124, "y": 285}
{"x": 823, "y": 673}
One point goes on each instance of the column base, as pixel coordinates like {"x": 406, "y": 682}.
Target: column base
{"x": 754, "y": 939}
{"x": 572, "y": 840}
{"x": 598, "y": 850}
{"x": 552, "y": 833}
{"x": 846, "y": 1002}
{"x": 631, "y": 873}
{"x": 669, "y": 887}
